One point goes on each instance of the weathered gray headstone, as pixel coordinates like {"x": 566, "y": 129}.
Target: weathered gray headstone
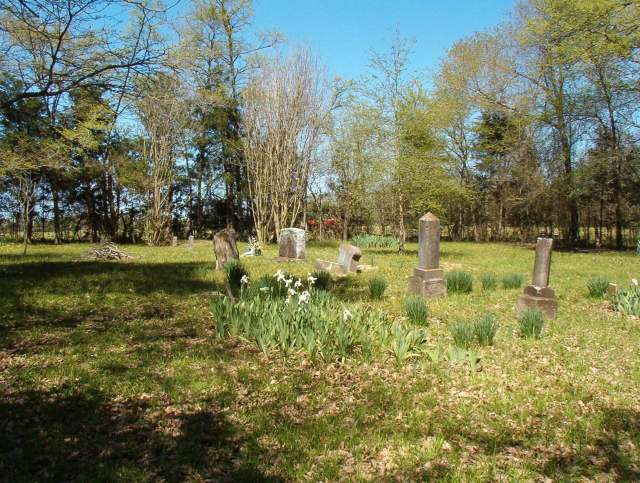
{"x": 225, "y": 247}
{"x": 190, "y": 242}
{"x": 292, "y": 244}
{"x": 428, "y": 279}
{"x": 539, "y": 294}
{"x": 174, "y": 241}
{"x": 346, "y": 263}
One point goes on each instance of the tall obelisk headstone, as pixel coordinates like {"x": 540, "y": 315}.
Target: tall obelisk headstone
{"x": 539, "y": 294}
{"x": 427, "y": 279}
{"x": 190, "y": 242}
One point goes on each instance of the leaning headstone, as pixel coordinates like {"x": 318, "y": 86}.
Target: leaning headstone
{"x": 225, "y": 247}
{"x": 539, "y": 295}
{"x": 190, "y": 242}
{"x": 346, "y": 263}
{"x": 428, "y": 279}
{"x": 292, "y": 244}
{"x": 612, "y": 289}
{"x": 174, "y": 241}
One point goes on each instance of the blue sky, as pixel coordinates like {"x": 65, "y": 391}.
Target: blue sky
{"x": 342, "y": 32}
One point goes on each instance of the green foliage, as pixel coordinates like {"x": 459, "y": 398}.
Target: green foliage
{"x": 365, "y": 240}
{"x": 638, "y": 247}
{"x": 513, "y": 280}
{"x": 531, "y": 323}
{"x": 323, "y": 280}
{"x": 406, "y": 342}
{"x": 377, "y": 287}
{"x": 627, "y": 300}
{"x": 459, "y": 282}
{"x": 485, "y": 329}
{"x": 597, "y": 286}
{"x": 416, "y": 308}
{"x": 463, "y": 333}
{"x": 489, "y": 281}
{"x": 237, "y": 276}
{"x": 319, "y": 326}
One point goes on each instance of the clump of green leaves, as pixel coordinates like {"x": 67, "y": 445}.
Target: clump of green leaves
{"x": 374, "y": 241}
{"x": 377, "y": 287}
{"x": 459, "y": 282}
{"x": 237, "y": 276}
{"x": 531, "y": 323}
{"x": 597, "y": 286}
{"x": 406, "y": 342}
{"x": 512, "y": 280}
{"x": 322, "y": 280}
{"x": 627, "y": 300}
{"x": 416, "y": 308}
{"x": 463, "y": 333}
{"x": 489, "y": 281}
{"x": 485, "y": 329}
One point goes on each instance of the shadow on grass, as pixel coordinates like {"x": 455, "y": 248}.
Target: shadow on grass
{"x": 84, "y": 437}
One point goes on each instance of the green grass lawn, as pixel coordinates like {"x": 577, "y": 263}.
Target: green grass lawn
{"x": 112, "y": 371}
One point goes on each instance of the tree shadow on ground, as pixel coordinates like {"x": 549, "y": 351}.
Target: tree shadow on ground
{"x": 84, "y": 437}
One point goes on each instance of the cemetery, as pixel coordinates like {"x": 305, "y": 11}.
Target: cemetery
{"x": 281, "y": 241}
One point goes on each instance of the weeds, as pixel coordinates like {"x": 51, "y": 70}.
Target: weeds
{"x": 459, "y": 282}
{"x": 416, "y": 309}
{"x": 531, "y": 323}
{"x": 374, "y": 241}
{"x": 512, "y": 280}
{"x": 489, "y": 281}
{"x": 377, "y": 287}
{"x": 597, "y": 286}
{"x": 485, "y": 329}
{"x": 237, "y": 276}
{"x": 463, "y": 333}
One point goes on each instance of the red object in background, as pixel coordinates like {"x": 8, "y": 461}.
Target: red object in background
{"x": 330, "y": 222}
{"x": 312, "y": 222}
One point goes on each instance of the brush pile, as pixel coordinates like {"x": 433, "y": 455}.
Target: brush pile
{"x": 106, "y": 251}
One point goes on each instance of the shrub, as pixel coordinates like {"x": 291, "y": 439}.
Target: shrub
{"x": 597, "y": 286}
{"x": 416, "y": 308}
{"x": 512, "y": 280}
{"x": 459, "y": 282}
{"x": 323, "y": 280}
{"x": 463, "y": 333}
{"x": 377, "y": 286}
{"x": 374, "y": 241}
{"x": 237, "y": 276}
{"x": 488, "y": 281}
{"x": 531, "y": 323}
{"x": 485, "y": 329}
{"x": 627, "y": 300}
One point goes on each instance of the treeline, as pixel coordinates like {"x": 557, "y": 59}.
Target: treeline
{"x": 137, "y": 130}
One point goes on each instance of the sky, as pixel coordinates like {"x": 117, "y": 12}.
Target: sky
{"x": 343, "y": 32}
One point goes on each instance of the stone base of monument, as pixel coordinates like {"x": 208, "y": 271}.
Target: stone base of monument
{"x": 543, "y": 298}
{"x": 429, "y": 283}
{"x": 366, "y": 268}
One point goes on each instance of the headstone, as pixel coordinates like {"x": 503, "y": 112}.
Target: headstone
{"x": 292, "y": 244}
{"x": 612, "y": 289}
{"x": 346, "y": 263}
{"x": 428, "y": 279}
{"x": 190, "y": 242}
{"x": 225, "y": 247}
{"x": 174, "y": 241}
{"x": 539, "y": 294}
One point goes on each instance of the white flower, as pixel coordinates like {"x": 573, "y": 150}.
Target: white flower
{"x": 287, "y": 282}
{"x": 634, "y": 281}
{"x": 279, "y": 275}
{"x": 265, "y": 289}
{"x": 304, "y": 297}
{"x": 244, "y": 280}
{"x": 298, "y": 284}
{"x": 346, "y": 314}
{"x": 292, "y": 292}
{"x": 311, "y": 279}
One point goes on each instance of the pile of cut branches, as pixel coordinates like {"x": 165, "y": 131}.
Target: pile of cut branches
{"x": 106, "y": 251}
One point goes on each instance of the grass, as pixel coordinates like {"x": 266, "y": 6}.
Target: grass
{"x": 531, "y": 323}
{"x": 597, "y": 286}
{"x": 459, "y": 282}
{"x": 489, "y": 281}
{"x": 377, "y": 287}
{"x": 114, "y": 371}
{"x": 512, "y": 280}
{"x": 417, "y": 310}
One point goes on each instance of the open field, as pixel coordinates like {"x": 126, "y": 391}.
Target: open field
{"x": 112, "y": 371}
